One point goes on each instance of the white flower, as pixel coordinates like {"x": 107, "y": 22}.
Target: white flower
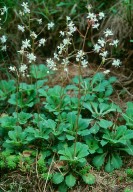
{"x": 101, "y": 15}
{"x": 39, "y": 21}
{"x": 71, "y": 28}
{"x": 31, "y": 57}
{"x": 97, "y": 48}
{"x": 62, "y": 33}
{"x": 26, "y": 8}
{"x": 61, "y": 48}
{"x": 92, "y": 16}
{"x": 42, "y": 42}
{"x": 84, "y": 63}
{"x": 3, "y": 39}
{"x": 21, "y": 51}
{"x": 3, "y": 48}
{"x": 65, "y": 61}
{"x": 25, "y": 5}
{"x": 21, "y": 28}
{"x": 70, "y": 25}
{"x": 22, "y": 68}
{"x": 115, "y": 42}
{"x": 21, "y": 13}
{"x": 56, "y": 56}
{"x": 104, "y": 54}
{"x": 116, "y": 62}
{"x": 108, "y": 32}
{"x": 50, "y": 25}
{"x": 33, "y": 35}
{"x": 26, "y": 44}
{"x": 101, "y": 42}
{"x": 95, "y": 25}
{"x": 51, "y": 64}
{"x": 12, "y": 68}
{"x": 68, "y": 18}
{"x": 66, "y": 41}
{"x": 106, "y": 71}
{"x": 80, "y": 55}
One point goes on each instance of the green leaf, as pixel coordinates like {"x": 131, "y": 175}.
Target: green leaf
{"x": 98, "y": 77}
{"x": 98, "y": 160}
{"x": 22, "y": 117}
{"x": 57, "y": 178}
{"x": 128, "y": 149}
{"x": 105, "y": 123}
{"x": 103, "y": 142}
{"x": 89, "y": 178}
{"x": 63, "y": 187}
{"x": 112, "y": 79}
{"x": 94, "y": 129}
{"x": 109, "y": 167}
{"x": 77, "y": 79}
{"x": 74, "y": 153}
{"x": 116, "y": 161}
{"x": 6, "y": 87}
{"x": 70, "y": 180}
{"x": 70, "y": 137}
{"x": 8, "y": 122}
{"x": 39, "y": 71}
{"x": 92, "y": 144}
{"x": 39, "y": 84}
{"x": 81, "y": 150}
{"x": 128, "y": 116}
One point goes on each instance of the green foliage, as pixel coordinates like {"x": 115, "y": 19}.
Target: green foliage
{"x": 75, "y": 154}
{"x": 70, "y": 180}
{"x": 39, "y": 71}
{"x": 58, "y": 132}
{"x": 112, "y": 142}
{"x": 96, "y": 87}
{"x": 17, "y": 139}
{"x": 22, "y": 117}
{"x": 128, "y": 190}
{"x": 128, "y": 116}
{"x": 26, "y": 95}
{"x": 66, "y": 130}
{"x": 6, "y": 88}
{"x": 57, "y": 178}
{"x": 89, "y": 178}
{"x": 129, "y": 172}
{"x": 7, "y": 160}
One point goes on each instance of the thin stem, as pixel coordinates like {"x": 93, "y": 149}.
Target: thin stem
{"x": 44, "y": 190}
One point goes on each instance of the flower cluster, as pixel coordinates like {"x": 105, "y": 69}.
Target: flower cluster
{"x": 25, "y": 10}
{"x": 66, "y": 35}
{"x": 63, "y": 47}
{"x": 80, "y": 58}
{"x": 31, "y": 43}
{"x": 21, "y": 71}
{"x": 94, "y": 19}
{"x": 51, "y": 64}
{"x": 102, "y": 43}
{"x": 62, "y": 55}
